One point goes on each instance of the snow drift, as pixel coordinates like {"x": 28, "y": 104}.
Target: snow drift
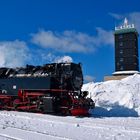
{"x": 116, "y": 97}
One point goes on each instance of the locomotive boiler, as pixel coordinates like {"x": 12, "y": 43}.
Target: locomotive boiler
{"x": 52, "y": 88}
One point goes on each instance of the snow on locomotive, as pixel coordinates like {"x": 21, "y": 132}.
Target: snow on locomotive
{"x": 53, "y": 88}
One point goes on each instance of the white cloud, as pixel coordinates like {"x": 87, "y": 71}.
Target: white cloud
{"x": 17, "y": 53}
{"x": 41, "y": 56}
{"x": 89, "y": 78}
{"x": 103, "y": 38}
{"x": 68, "y": 41}
{"x": 47, "y": 57}
{"x": 72, "y": 41}
{"x": 116, "y": 16}
{"x": 135, "y": 18}
{"x": 13, "y": 53}
{"x": 64, "y": 59}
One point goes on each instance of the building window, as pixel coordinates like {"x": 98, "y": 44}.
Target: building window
{"x": 120, "y": 36}
{"x": 121, "y": 59}
{"x": 121, "y": 51}
{"x": 121, "y": 68}
{"x": 121, "y": 44}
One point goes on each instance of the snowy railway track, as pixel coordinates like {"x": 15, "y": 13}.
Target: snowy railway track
{"x": 29, "y": 134}
{"x": 107, "y": 126}
{"x": 7, "y": 137}
{"x": 38, "y": 126}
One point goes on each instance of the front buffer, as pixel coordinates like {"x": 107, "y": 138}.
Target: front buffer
{"x": 81, "y": 105}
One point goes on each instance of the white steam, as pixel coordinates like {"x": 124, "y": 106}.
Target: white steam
{"x": 64, "y": 59}
{"x": 13, "y": 53}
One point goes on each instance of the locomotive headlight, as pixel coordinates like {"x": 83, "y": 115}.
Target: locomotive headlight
{"x": 91, "y": 103}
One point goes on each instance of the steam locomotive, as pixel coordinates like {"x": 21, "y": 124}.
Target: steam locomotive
{"x": 52, "y": 88}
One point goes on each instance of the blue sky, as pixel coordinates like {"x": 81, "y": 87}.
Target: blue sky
{"x": 44, "y": 31}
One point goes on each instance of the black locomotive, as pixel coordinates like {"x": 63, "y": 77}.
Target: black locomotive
{"x": 51, "y": 88}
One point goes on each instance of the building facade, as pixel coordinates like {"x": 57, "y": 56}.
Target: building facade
{"x": 126, "y": 52}
{"x": 126, "y": 48}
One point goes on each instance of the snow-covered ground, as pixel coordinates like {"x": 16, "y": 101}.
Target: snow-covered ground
{"x": 117, "y": 97}
{"x": 116, "y": 117}
{"x": 31, "y": 126}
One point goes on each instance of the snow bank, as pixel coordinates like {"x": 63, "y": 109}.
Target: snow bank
{"x": 116, "y": 97}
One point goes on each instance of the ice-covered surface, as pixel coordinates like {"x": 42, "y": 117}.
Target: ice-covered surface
{"x": 116, "y": 97}
{"x": 31, "y": 126}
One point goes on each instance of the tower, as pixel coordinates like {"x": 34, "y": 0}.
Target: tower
{"x": 126, "y": 49}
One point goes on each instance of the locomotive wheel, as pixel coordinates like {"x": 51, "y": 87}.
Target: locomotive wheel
{"x": 66, "y": 112}
{"x": 1, "y": 104}
{"x": 16, "y": 103}
{"x": 66, "y": 105}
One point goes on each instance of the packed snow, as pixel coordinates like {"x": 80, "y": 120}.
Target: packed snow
{"x": 31, "y": 126}
{"x": 116, "y": 97}
{"x": 116, "y": 117}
